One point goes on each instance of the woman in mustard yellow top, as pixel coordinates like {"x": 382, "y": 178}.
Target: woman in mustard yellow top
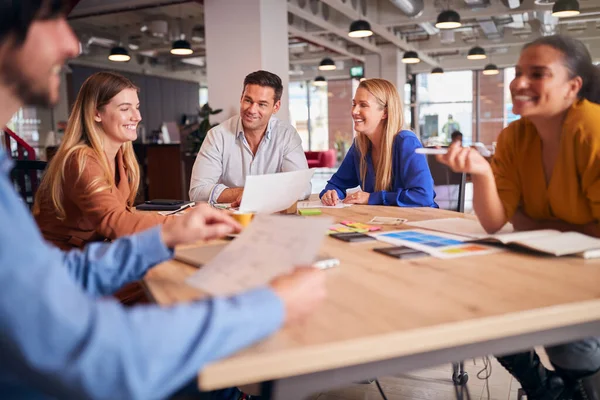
{"x": 546, "y": 175}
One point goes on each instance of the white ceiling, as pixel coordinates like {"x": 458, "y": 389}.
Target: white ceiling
{"x": 318, "y": 28}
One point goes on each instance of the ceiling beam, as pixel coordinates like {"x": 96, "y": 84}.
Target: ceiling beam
{"x": 91, "y": 8}
{"x": 293, "y": 31}
{"x": 380, "y": 30}
{"x": 434, "y": 45}
{"x": 328, "y": 26}
{"x": 317, "y": 60}
{"x": 430, "y": 13}
{"x": 501, "y": 60}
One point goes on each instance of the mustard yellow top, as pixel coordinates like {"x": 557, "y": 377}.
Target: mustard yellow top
{"x": 573, "y": 192}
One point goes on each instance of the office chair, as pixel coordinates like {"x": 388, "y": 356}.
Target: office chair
{"x": 26, "y": 177}
{"x": 443, "y": 176}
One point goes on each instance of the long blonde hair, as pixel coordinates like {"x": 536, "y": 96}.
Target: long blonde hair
{"x": 387, "y": 98}
{"x": 84, "y": 135}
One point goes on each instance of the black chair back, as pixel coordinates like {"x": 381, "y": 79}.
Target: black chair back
{"x": 26, "y": 177}
{"x": 450, "y": 185}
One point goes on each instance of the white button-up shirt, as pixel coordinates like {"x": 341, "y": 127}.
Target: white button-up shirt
{"x": 225, "y": 158}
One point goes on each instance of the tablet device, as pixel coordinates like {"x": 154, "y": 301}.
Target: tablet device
{"x": 401, "y": 252}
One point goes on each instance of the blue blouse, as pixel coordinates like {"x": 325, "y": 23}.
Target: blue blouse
{"x": 412, "y": 184}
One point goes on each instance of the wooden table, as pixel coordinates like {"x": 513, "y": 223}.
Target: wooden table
{"x": 386, "y": 316}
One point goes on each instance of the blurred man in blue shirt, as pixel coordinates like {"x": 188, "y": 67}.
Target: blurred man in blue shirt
{"x": 58, "y": 337}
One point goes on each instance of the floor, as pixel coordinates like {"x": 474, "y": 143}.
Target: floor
{"x": 432, "y": 384}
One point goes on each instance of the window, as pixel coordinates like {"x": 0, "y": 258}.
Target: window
{"x": 203, "y": 95}
{"x": 299, "y": 110}
{"x": 445, "y": 105}
{"x": 509, "y": 75}
{"x": 309, "y": 114}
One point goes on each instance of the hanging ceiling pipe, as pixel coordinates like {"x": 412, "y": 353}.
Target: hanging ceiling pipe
{"x": 412, "y": 8}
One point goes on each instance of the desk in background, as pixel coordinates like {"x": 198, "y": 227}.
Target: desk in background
{"x": 386, "y": 316}
{"x": 165, "y": 171}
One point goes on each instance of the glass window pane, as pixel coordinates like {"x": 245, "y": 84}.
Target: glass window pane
{"x": 407, "y": 123}
{"x": 509, "y": 75}
{"x": 319, "y": 120}
{"x": 299, "y": 110}
{"x": 203, "y": 95}
{"x": 438, "y": 121}
{"x": 446, "y": 87}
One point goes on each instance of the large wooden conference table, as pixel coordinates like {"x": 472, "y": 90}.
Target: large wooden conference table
{"x": 385, "y": 316}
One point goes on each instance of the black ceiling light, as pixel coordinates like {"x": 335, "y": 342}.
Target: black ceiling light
{"x": 320, "y": 81}
{"x": 119, "y": 54}
{"x": 565, "y": 8}
{"x": 476, "y": 53}
{"x": 437, "y": 71}
{"x": 411, "y": 57}
{"x": 360, "y": 28}
{"x": 490, "y": 69}
{"x": 327, "y": 64}
{"x": 182, "y": 47}
{"x": 448, "y": 19}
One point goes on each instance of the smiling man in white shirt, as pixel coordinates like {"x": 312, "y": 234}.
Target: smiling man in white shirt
{"x": 254, "y": 142}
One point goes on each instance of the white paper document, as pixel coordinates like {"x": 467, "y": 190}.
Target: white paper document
{"x": 269, "y": 193}
{"x": 270, "y": 246}
{"x": 319, "y": 204}
{"x": 458, "y": 226}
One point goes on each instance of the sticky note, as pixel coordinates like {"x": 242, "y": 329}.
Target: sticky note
{"x": 309, "y": 211}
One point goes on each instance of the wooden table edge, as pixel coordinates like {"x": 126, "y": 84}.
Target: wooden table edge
{"x": 240, "y": 370}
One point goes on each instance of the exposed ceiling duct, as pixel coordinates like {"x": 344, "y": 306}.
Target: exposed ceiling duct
{"x": 512, "y": 4}
{"x": 473, "y": 4}
{"x": 548, "y": 23}
{"x": 489, "y": 28}
{"x": 412, "y": 8}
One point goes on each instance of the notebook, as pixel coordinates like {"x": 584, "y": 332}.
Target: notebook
{"x": 550, "y": 242}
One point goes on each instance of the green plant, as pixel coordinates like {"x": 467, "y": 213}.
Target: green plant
{"x": 197, "y": 136}
{"x": 341, "y": 145}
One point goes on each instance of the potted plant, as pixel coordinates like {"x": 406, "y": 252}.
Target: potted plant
{"x": 196, "y": 136}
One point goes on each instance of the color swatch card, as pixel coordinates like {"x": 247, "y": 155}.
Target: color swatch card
{"x": 440, "y": 245}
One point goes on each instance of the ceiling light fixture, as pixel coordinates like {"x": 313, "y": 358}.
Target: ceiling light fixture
{"x": 119, "y": 54}
{"x": 476, "y": 53}
{"x": 490, "y": 69}
{"x": 437, "y": 71}
{"x": 360, "y": 28}
{"x": 411, "y": 57}
{"x": 320, "y": 81}
{"x": 448, "y": 19}
{"x": 327, "y": 64}
{"x": 182, "y": 47}
{"x": 565, "y": 8}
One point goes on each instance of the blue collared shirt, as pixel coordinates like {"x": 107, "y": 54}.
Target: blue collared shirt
{"x": 225, "y": 158}
{"x": 59, "y": 339}
{"x": 412, "y": 184}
